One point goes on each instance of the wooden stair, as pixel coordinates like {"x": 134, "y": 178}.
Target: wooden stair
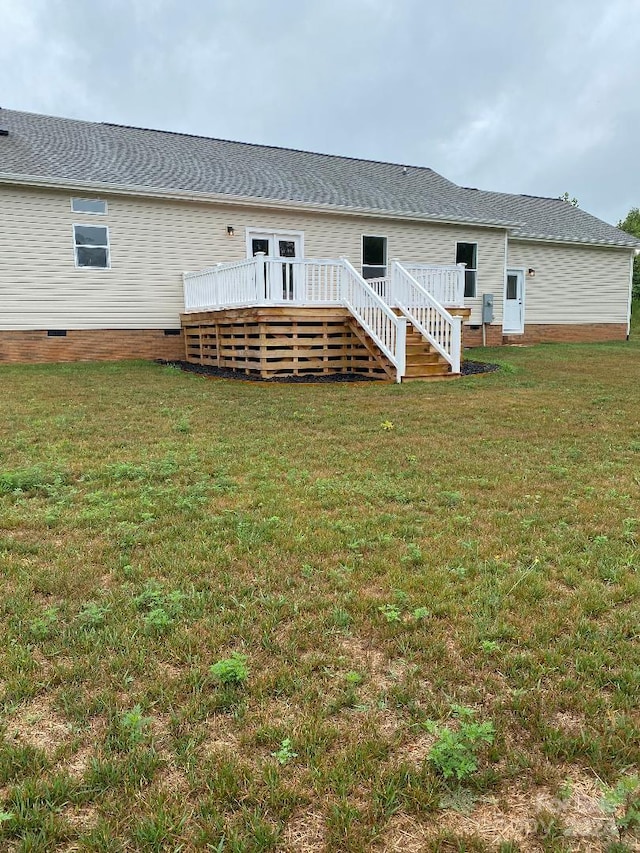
{"x": 372, "y": 348}
{"x": 423, "y": 361}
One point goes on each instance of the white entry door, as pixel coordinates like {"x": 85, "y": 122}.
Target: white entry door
{"x": 283, "y": 280}
{"x": 513, "y": 314}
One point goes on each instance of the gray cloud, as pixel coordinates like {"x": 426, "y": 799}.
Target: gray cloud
{"x": 537, "y": 97}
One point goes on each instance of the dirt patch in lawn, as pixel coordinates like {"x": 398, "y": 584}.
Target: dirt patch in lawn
{"x": 39, "y": 725}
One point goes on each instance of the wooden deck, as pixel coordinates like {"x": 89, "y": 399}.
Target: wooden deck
{"x": 282, "y": 341}
{"x": 271, "y": 341}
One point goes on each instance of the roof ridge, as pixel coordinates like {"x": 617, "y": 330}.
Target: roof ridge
{"x": 233, "y": 142}
{"x": 520, "y": 195}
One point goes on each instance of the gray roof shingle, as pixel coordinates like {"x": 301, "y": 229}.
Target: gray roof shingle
{"x": 68, "y": 150}
{"x": 553, "y": 218}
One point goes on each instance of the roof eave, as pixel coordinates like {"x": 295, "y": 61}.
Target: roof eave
{"x": 250, "y": 201}
{"x": 602, "y": 244}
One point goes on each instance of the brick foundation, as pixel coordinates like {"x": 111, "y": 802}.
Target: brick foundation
{"x": 584, "y": 333}
{"x": 89, "y": 345}
{"x": 473, "y": 337}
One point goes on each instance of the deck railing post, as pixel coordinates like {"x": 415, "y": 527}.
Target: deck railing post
{"x": 261, "y": 277}
{"x": 342, "y": 284}
{"x": 456, "y": 344}
{"x": 186, "y": 300}
{"x": 461, "y": 283}
{"x": 401, "y": 348}
{"x": 393, "y": 282}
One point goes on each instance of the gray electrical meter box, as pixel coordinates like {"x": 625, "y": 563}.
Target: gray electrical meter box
{"x": 487, "y": 307}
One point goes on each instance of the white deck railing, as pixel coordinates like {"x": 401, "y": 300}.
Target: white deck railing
{"x": 263, "y": 281}
{"x": 381, "y": 287}
{"x": 303, "y": 281}
{"x": 444, "y": 283}
{"x": 222, "y": 286}
{"x": 387, "y": 329}
{"x": 300, "y": 281}
{"x": 430, "y": 318}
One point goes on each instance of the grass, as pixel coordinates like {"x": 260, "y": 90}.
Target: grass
{"x": 362, "y": 580}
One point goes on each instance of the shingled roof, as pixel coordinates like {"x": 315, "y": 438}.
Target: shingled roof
{"x": 553, "y": 218}
{"x": 70, "y": 152}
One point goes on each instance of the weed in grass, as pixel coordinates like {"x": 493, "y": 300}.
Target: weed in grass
{"x": 421, "y": 613}
{"x": 46, "y": 625}
{"x": 623, "y": 801}
{"x": 455, "y": 751}
{"x": 449, "y": 499}
{"x": 232, "y": 671}
{"x": 93, "y": 614}
{"x": 390, "y": 612}
{"x": 158, "y": 621}
{"x": 128, "y": 730}
{"x": 284, "y": 754}
{"x": 341, "y": 618}
{"x": 414, "y": 555}
{"x": 31, "y": 481}
{"x": 183, "y": 425}
{"x": 160, "y": 608}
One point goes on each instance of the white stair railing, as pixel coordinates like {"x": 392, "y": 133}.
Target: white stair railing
{"x": 386, "y": 329}
{"x": 222, "y": 286}
{"x": 444, "y": 283}
{"x": 427, "y": 315}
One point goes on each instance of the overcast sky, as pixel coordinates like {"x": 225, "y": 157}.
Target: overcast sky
{"x": 532, "y": 96}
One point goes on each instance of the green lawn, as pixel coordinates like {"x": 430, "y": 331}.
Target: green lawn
{"x": 403, "y": 568}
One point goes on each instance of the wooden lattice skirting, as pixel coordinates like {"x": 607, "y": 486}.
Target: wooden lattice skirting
{"x": 280, "y": 342}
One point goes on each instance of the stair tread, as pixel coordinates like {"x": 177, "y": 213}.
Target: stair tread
{"x": 426, "y": 370}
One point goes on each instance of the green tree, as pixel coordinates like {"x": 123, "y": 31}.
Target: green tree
{"x": 631, "y": 224}
{"x": 566, "y": 197}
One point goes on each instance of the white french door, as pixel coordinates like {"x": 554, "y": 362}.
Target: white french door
{"x": 513, "y": 311}
{"x": 283, "y": 279}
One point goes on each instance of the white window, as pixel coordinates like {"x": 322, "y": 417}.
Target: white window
{"x": 374, "y": 257}
{"x": 467, "y": 254}
{"x": 91, "y": 244}
{"x": 88, "y": 205}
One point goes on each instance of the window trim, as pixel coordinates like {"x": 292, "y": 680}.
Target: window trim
{"x": 106, "y": 245}
{"x": 89, "y": 212}
{"x": 386, "y": 255}
{"x": 470, "y": 269}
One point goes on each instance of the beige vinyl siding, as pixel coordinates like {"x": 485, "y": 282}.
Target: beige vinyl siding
{"x": 573, "y": 284}
{"x": 152, "y": 242}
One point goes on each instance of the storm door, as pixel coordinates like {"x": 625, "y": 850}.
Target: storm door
{"x": 513, "y": 311}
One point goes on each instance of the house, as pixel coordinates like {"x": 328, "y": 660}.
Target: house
{"x": 294, "y": 261}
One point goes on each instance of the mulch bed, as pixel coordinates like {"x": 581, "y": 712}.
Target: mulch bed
{"x": 471, "y": 367}
{"x": 468, "y": 369}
